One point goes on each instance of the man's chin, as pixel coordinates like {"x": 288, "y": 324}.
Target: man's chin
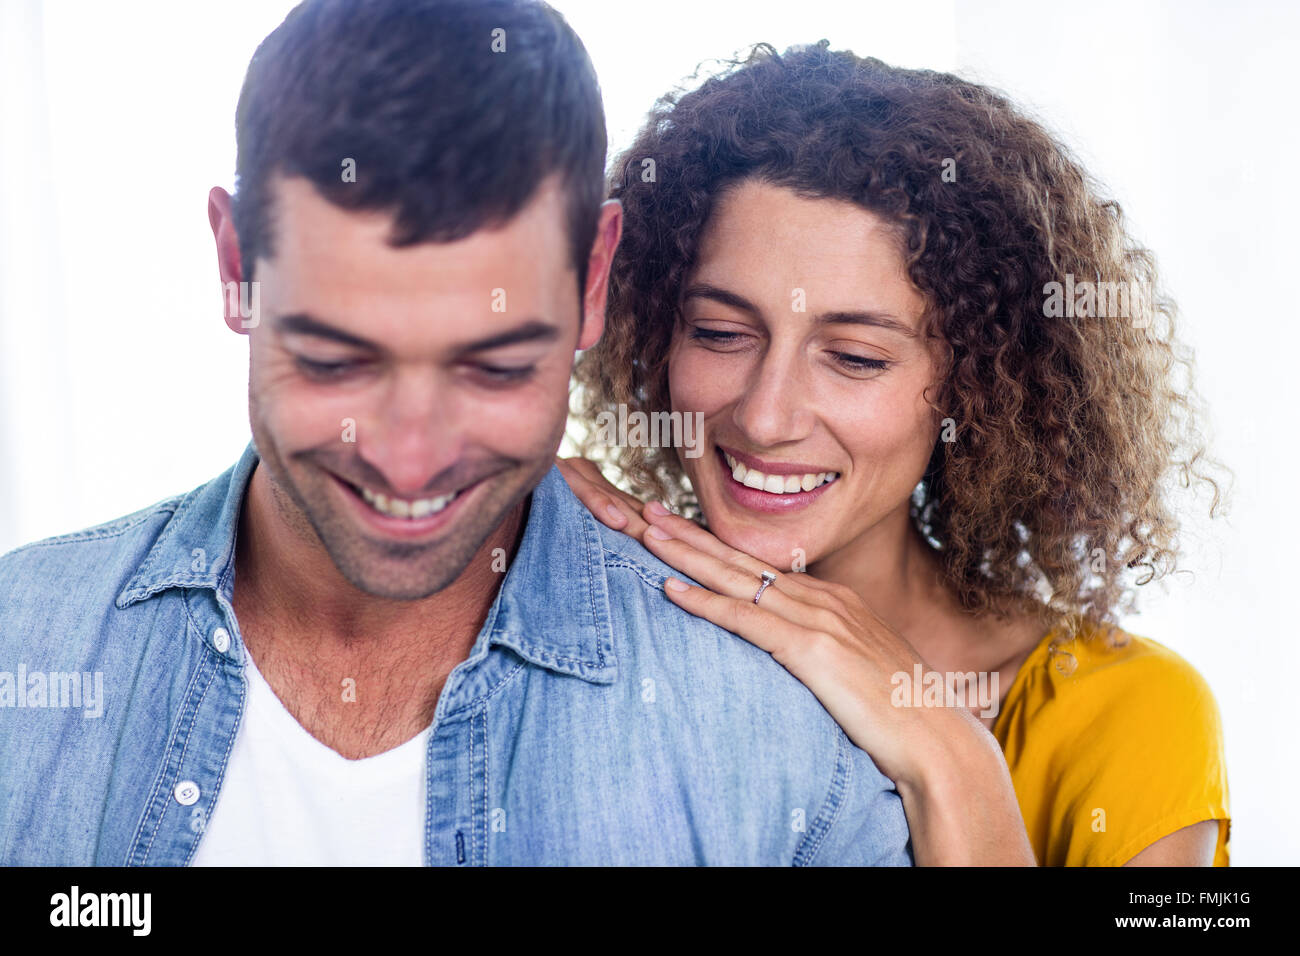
{"x": 400, "y": 571}
{"x": 412, "y": 568}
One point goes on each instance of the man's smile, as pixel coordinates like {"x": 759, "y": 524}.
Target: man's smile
{"x": 405, "y": 517}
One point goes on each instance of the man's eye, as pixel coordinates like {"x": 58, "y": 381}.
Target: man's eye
{"x": 506, "y": 374}
{"x": 325, "y": 370}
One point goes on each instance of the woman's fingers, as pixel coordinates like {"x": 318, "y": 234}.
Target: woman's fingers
{"x": 589, "y": 472}
{"x": 683, "y": 529}
{"x": 763, "y": 626}
{"x": 685, "y": 540}
{"x": 786, "y": 597}
{"x": 610, "y": 505}
{"x": 697, "y": 556}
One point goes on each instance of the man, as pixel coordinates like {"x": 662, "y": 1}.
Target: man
{"x": 390, "y": 634}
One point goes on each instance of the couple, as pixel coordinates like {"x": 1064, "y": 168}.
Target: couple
{"x": 398, "y": 632}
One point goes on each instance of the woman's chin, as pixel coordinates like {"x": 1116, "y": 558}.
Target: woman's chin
{"x": 779, "y": 550}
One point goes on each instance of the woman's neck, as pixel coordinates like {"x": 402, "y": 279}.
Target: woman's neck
{"x": 899, "y": 576}
{"x": 892, "y": 569}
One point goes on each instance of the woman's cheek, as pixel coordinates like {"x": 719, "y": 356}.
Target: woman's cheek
{"x": 702, "y": 381}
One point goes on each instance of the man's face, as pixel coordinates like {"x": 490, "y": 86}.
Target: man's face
{"x": 403, "y": 401}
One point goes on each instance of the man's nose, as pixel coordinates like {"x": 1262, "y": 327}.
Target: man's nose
{"x": 414, "y": 434}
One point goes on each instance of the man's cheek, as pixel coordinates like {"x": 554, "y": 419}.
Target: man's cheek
{"x": 307, "y": 418}
{"x": 525, "y": 420}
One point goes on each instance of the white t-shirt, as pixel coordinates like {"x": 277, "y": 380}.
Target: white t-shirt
{"x": 289, "y": 800}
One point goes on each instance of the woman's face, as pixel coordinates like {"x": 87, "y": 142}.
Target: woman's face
{"x": 802, "y": 347}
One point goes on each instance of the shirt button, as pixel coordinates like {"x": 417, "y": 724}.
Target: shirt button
{"x": 221, "y": 640}
{"x": 186, "y": 793}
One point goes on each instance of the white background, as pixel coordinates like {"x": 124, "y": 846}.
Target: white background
{"x": 120, "y": 385}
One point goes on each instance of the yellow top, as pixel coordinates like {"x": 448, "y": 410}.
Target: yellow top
{"x": 1106, "y": 759}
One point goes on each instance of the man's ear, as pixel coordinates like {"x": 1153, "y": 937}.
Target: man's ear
{"x": 228, "y": 264}
{"x": 609, "y": 229}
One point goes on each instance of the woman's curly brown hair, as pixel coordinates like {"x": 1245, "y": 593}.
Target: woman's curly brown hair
{"x": 1064, "y": 430}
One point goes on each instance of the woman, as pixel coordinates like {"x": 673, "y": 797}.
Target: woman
{"x": 930, "y": 370}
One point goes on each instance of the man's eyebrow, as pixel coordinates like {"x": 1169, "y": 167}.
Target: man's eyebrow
{"x": 299, "y": 323}
{"x": 533, "y": 330}
{"x": 883, "y": 320}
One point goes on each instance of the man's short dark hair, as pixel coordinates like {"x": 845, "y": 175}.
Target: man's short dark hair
{"x": 453, "y": 112}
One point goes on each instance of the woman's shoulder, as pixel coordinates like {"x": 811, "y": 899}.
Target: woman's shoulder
{"x": 1107, "y": 667}
{"x": 1112, "y": 704}
{"x": 1113, "y": 740}
{"x": 1133, "y": 675}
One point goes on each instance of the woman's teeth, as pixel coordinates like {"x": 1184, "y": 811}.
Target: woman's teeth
{"x": 402, "y": 508}
{"x": 777, "y": 484}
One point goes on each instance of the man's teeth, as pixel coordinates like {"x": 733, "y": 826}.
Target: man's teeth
{"x": 777, "y": 484}
{"x": 402, "y": 508}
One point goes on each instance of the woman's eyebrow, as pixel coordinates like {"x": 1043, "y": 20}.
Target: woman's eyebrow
{"x": 705, "y": 291}
{"x": 873, "y": 317}
{"x": 883, "y": 320}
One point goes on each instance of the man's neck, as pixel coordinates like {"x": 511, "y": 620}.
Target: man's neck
{"x": 285, "y": 571}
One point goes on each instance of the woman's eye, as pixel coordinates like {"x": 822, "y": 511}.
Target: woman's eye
{"x": 714, "y": 335}
{"x": 858, "y": 363}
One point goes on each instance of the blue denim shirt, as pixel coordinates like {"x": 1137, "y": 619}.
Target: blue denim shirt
{"x": 594, "y": 722}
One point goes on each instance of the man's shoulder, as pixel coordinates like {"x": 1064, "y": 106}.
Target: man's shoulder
{"x": 82, "y": 552}
{"x": 636, "y": 575}
{"x": 176, "y": 541}
{"x": 651, "y": 627}
{"x": 749, "y": 717}
{"x": 113, "y": 528}
{"x": 59, "y": 589}
{"x": 78, "y": 576}
{"x": 623, "y": 552}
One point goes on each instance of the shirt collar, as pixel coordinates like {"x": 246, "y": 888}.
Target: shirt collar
{"x": 552, "y": 608}
{"x": 196, "y": 548}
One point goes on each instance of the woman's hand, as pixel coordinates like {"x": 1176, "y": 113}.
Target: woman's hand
{"x": 610, "y": 505}
{"x": 950, "y": 771}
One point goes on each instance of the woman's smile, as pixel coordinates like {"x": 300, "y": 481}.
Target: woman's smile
{"x": 771, "y": 487}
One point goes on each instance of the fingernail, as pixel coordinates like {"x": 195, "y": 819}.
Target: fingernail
{"x": 615, "y": 514}
{"x": 657, "y": 532}
{"x": 657, "y": 508}
{"x": 672, "y": 584}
